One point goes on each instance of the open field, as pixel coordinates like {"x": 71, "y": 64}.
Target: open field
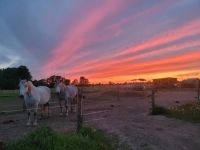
{"x": 127, "y": 117}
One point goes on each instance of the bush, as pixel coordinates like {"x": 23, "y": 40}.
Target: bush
{"x": 188, "y": 112}
{"x": 158, "y": 110}
{"x": 46, "y": 139}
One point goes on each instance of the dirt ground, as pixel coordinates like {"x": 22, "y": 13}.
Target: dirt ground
{"x": 126, "y": 115}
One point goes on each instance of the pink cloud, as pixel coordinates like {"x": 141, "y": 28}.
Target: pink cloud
{"x": 83, "y": 33}
{"x": 77, "y": 37}
{"x": 189, "y": 29}
{"x": 147, "y": 12}
{"x": 143, "y": 56}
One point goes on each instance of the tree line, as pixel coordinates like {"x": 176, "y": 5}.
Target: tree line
{"x": 10, "y": 77}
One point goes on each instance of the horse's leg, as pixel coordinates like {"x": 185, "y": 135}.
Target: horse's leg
{"x": 29, "y": 118}
{"x": 48, "y": 109}
{"x": 71, "y": 103}
{"x": 35, "y": 115}
{"x": 42, "y": 108}
{"x": 24, "y": 106}
{"x": 75, "y": 102}
{"x": 66, "y": 105}
{"x": 35, "y": 118}
{"x": 61, "y": 111}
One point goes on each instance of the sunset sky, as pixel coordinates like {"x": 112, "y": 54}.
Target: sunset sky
{"x": 103, "y": 40}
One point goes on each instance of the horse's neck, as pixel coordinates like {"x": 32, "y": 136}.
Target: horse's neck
{"x": 62, "y": 87}
{"x": 57, "y": 84}
{"x": 32, "y": 89}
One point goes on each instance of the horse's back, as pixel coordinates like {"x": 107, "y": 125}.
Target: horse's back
{"x": 45, "y": 94}
{"x": 71, "y": 91}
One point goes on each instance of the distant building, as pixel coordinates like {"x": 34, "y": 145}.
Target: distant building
{"x": 165, "y": 82}
{"x": 189, "y": 83}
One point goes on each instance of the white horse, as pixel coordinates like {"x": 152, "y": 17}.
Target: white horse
{"x": 34, "y": 96}
{"x": 67, "y": 93}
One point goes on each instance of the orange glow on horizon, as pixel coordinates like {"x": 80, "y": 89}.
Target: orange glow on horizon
{"x": 168, "y": 67}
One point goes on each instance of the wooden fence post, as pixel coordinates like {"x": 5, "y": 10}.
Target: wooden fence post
{"x": 198, "y": 90}
{"x": 118, "y": 96}
{"x": 1, "y": 145}
{"x": 153, "y": 99}
{"x": 79, "y": 111}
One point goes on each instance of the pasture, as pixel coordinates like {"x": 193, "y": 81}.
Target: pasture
{"x": 125, "y": 114}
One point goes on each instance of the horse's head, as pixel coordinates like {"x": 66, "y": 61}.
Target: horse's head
{"x": 57, "y": 87}
{"x": 23, "y": 88}
{"x": 61, "y": 87}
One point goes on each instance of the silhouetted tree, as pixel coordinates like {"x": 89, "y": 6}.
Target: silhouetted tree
{"x": 75, "y": 82}
{"x": 24, "y": 73}
{"x": 10, "y": 77}
{"x": 67, "y": 81}
{"x": 111, "y": 83}
{"x": 83, "y": 81}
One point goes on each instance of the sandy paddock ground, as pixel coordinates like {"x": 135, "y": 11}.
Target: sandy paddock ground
{"x": 127, "y": 116}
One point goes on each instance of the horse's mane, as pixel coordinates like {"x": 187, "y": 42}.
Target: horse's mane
{"x": 30, "y": 86}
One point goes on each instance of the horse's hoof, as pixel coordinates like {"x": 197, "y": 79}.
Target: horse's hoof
{"x": 35, "y": 124}
{"x": 61, "y": 114}
{"x": 74, "y": 111}
{"x": 28, "y": 124}
{"x": 66, "y": 114}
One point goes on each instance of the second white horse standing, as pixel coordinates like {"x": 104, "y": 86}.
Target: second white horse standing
{"x": 68, "y": 93}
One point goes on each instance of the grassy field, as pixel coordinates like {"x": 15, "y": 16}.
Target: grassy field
{"x": 45, "y": 138}
{"x": 8, "y": 94}
{"x": 188, "y": 112}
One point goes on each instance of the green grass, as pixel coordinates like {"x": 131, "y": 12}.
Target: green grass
{"x": 8, "y": 94}
{"x": 188, "y": 112}
{"x": 45, "y": 138}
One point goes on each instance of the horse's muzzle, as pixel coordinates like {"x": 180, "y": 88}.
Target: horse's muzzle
{"x": 21, "y": 96}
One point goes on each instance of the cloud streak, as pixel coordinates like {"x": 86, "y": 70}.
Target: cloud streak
{"x": 77, "y": 38}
